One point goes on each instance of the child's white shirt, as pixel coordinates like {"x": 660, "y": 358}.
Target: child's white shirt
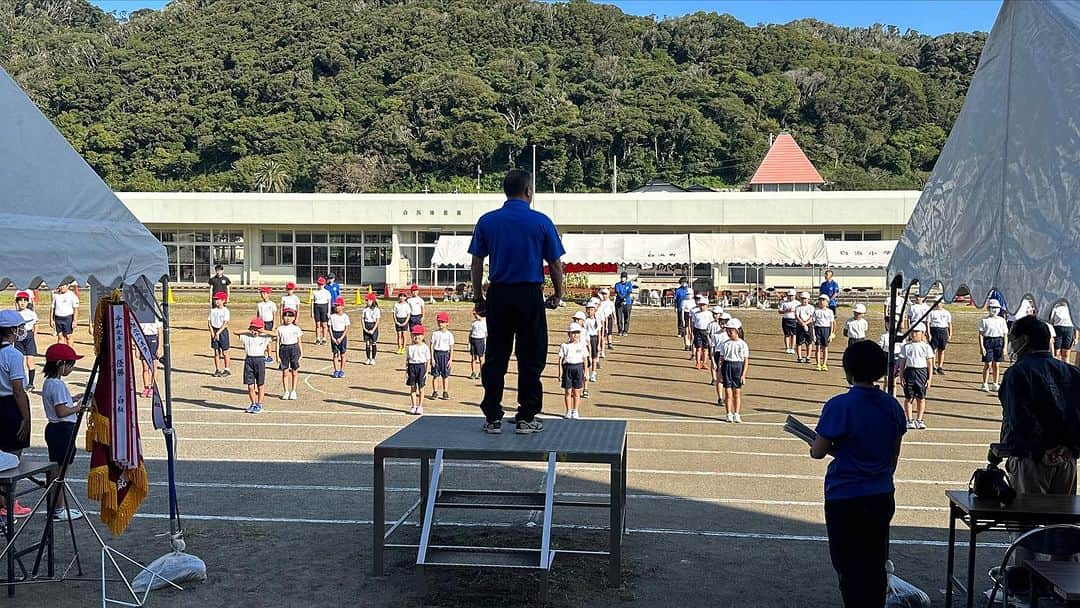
{"x": 291, "y": 302}
{"x": 736, "y": 351}
{"x": 254, "y": 346}
{"x": 321, "y": 296}
{"x": 993, "y": 327}
{"x": 416, "y": 305}
{"x": 55, "y": 392}
{"x": 805, "y": 313}
{"x": 592, "y": 326}
{"x": 218, "y": 317}
{"x": 787, "y": 309}
{"x": 688, "y": 304}
{"x": 917, "y": 311}
{"x": 402, "y": 310}
{"x": 702, "y": 319}
{"x": 339, "y": 322}
{"x": 150, "y": 329}
{"x": 857, "y": 328}
{"x": 417, "y": 353}
{"x": 940, "y": 319}
{"x": 717, "y": 336}
{"x": 266, "y": 310}
{"x": 289, "y": 334}
{"x": 573, "y": 352}
{"x": 371, "y": 314}
{"x": 1059, "y": 315}
{"x": 478, "y": 329}
{"x": 64, "y": 304}
{"x": 823, "y": 317}
{"x": 442, "y": 340}
{"x": 605, "y": 310}
{"x": 917, "y": 354}
{"x": 30, "y": 317}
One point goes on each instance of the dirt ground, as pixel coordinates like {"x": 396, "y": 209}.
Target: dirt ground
{"x": 279, "y": 504}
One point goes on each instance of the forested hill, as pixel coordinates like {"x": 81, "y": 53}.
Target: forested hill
{"x": 368, "y": 95}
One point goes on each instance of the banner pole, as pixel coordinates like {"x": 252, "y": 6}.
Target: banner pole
{"x": 174, "y": 509}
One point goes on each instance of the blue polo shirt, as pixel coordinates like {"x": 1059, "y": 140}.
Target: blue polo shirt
{"x": 863, "y": 424}
{"x": 624, "y": 289}
{"x": 334, "y": 289}
{"x": 517, "y": 241}
{"x": 681, "y": 294}
{"x": 830, "y": 288}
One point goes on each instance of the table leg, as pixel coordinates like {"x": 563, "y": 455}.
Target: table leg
{"x": 951, "y": 558}
{"x": 425, "y": 485}
{"x": 378, "y": 526}
{"x": 615, "y": 542}
{"x": 971, "y": 566}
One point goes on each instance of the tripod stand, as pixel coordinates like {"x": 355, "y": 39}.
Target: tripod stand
{"x": 59, "y": 488}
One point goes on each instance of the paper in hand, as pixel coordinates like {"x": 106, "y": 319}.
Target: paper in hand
{"x": 800, "y": 430}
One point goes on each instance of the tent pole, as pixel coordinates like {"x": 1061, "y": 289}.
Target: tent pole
{"x": 170, "y": 445}
{"x": 890, "y": 310}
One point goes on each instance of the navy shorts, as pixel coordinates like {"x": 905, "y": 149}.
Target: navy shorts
{"x": 27, "y": 346}
{"x": 685, "y": 320}
{"x": 790, "y": 327}
{"x": 718, "y": 357}
{"x": 335, "y": 348}
{"x": 573, "y": 375}
{"x": 415, "y": 374}
{"x": 731, "y": 374}
{"x": 268, "y": 325}
{"x": 477, "y": 347}
{"x": 255, "y": 370}
{"x": 58, "y": 436}
{"x": 374, "y": 335}
{"x": 152, "y": 343}
{"x": 440, "y": 367}
{"x": 594, "y": 346}
{"x": 65, "y": 326}
{"x": 701, "y": 338}
{"x": 1066, "y": 336}
{"x": 221, "y": 343}
{"x": 803, "y": 335}
{"x": 851, "y": 341}
{"x": 401, "y": 325}
{"x": 320, "y": 312}
{"x": 939, "y": 338}
{"x": 822, "y": 335}
{"x": 915, "y": 379}
{"x": 995, "y": 350}
{"x": 415, "y": 320}
{"x": 288, "y": 356}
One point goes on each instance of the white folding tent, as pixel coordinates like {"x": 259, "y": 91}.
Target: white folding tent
{"x": 859, "y": 254}
{"x": 768, "y": 249}
{"x": 1002, "y": 207}
{"x": 587, "y": 249}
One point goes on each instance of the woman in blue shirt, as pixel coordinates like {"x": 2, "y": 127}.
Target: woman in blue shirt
{"x": 862, "y": 431}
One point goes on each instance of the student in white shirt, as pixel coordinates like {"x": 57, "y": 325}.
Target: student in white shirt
{"x": 918, "y": 310}
{"x": 898, "y": 346}
{"x": 477, "y": 344}
{"x": 290, "y": 351}
{"x": 993, "y": 344}
{"x": 320, "y": 310}
{"x": 267, "y": 311}
{"x": 218, "y": 323}
{"x": 857, "y": 326}
{"x": 940, "y": 322}
{"x": 717, "y": 337}
{"x": 804, "y": 328}
{"x": 27, "y": 345}
{"x": 255, "y": 344}
{"x": 917, "y": 374}
{"x": 1064, "y": 331}
{"x": 416, "y": 306}
{"x": 572, "y": 356}
{"x": 788, "y": 324}
{"x": 371, "y": 316}
{"x": 401, "y": 321}
{"x": 824, "y": 326}
{"x": 62, "y": 413}
{"x": 442, "y": 347}
{"x": 65, "y": 314}
{"x": 733, "y": 370}
{"x": 700, "y": 322}
{"x": 592, "y": 330}
{"x": 339, "y": 337}
{"x": 290, "y": 301}
{"x": 417, "y": 356}
{"x": 606, "y": 312}
{"x": 151, "y": 332}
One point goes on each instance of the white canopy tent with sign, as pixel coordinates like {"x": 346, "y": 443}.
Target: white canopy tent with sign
{"x": 587, "y": 249}
{"x": 859, "y": 254}
{"x": 768, "y": 249}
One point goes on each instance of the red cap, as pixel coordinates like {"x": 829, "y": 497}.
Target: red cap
{"x": 25, "y": 295}
{"x": 340, "y": 301}
{"x": 321, "y": 281}
{"x": 370, "y": 297}
{"x": 414, "y": 287}
{"x": 61, "y": 352}
{"x": 290, "y": 285}
{"x": 221, "y": 295}
{"x": 266, "y": 289}
{"x": 257, "y": 323}
{"x": 417, "y": 330}
{"x": 288, "y": 311}
{"x": 443, "y": 316}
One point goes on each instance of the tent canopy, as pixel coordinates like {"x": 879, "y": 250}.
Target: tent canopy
{"x": 70, "y": 225}
{"x": 1002, "y": 206}
{"x": 770, "y": 249}
{"x": 587, "y": 249}
{"x": 859, "y": 254}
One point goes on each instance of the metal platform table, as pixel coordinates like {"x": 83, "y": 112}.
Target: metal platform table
{"x": 441, "y": 438}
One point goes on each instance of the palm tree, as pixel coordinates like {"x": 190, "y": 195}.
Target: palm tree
{"x": 271, "y": 177}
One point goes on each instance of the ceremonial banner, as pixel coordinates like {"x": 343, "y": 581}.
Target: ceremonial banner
{"x": 117, "y": 476}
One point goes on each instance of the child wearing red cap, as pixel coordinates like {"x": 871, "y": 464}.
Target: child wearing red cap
{"x": 442, "y": 345}
{"x": 266, "y": 310}
{"x": 290, "y": 351}
{"x": 320, "y": 310}
{"x": 62, "y": 414}
{"x": 401, "y": 321}
{"x": 27, "y": 345}
{"x": 416, "y": 306}
{"x": 255, "y": 345}
{"x": 290, "y": 301}
{"x": 417, "y": 356}
{"x": 371, "y": 316}
{"x": 218, "y": 322}
{"x": 339, "y": 337}
{"x": 65, "y": 313}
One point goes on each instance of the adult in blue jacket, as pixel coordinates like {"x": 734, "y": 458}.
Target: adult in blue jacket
{"x": 681, "y": 294}
{"x": 830, "y": 288}
{"x": 624, "y": 303}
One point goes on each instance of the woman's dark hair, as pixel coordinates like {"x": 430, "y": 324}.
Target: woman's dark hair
{"x": 864, "y": 361}
{"x": 516, "y": 183}
{"x": 8, "y": 332}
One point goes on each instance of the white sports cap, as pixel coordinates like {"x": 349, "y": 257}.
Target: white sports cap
{"x": 604, "y": 290}
{"x": 591, "y": 304}
{"x": 792, "y": 292}
{"x": 725, "y": 316}
{"x": 860, "y": 308}
{"x": 580, "y": 315}
{"x": 718, "y": 310}
{"x": 993, "y": 304}
{"x": 822, "y": 297}
{"x": 919, "y": 327}
{"x": 734, "y": 324}
{"x": 702, "y": 300}
{"x": 805, "y": 294}
{"x": 574, "y": 328}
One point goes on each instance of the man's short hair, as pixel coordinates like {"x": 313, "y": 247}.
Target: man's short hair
{"x": 218, "y": 267}
{"x": 828, "y": 272}
{"x": 864, "y": 361}
{"x": 1031, "y": 332}
{"x": 517, "y": 182}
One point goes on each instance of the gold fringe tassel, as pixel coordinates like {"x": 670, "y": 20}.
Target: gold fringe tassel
{"x": 101, "y": 489}
{"x": 97, "y": 430}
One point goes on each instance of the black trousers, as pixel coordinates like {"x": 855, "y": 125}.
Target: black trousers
{"x": 515, "y": 313}
{"x": 859, "y": 545}
{"x": 622, "y": 316}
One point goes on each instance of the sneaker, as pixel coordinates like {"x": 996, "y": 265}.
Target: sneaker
{"x": 603, "y": 355}
{"x": 292, "y": 395}
{"x": 285, "y": 396}
{"x": 217, "y": 373}
{"x": 919, "y": 424}
{"x": 985, "y": 387}
{"x": 731, "y": 418}
{"x": 941, "y": 370}
{"x": 341, "y": 373}
{"x": 825, "y": 367}
{"x": 64, "y": 514}
{"x": 419, "y": 410}
{"x": 493, "y": 428}
{"x": 576, "y": 414}
{"x": 720, "y": 403}
{"x": 412, "y": 409}
{"x": 584, "y": 394}
{"x": 911, "y": 424}
{"x": 401, "y": 351}
{"x": 226, "y": 373}
{"x": 445, "y": 396}
{"x": 597, "y": 364}
{"x": 592, "y": 376}
{"x": 250, "y": 409}
{"x": 433, "y": 395}
{"x": 712, "y": 381}
{"x": 611, "y": 346}
{"x": 995, "y": 386}
{"x": 738, "y": 418}
{"x": 269, "y": 359}
{"x": 524, "y": 427}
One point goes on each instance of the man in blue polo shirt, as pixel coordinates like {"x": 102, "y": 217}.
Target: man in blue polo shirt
{"x": 333, "y": 287}
{"x": 517, "y": 241}
{"x": 624, "y": 303}
{"x": 830, "y": 288}
{"x": 681, "y": 294}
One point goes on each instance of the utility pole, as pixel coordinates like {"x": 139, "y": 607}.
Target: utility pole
{"x": 615, "y": 174}
{"x": 534, "y": 173}
{"x": 478, "y": 173}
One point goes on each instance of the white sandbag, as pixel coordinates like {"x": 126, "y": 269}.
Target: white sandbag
{"x": 902, "y": 594}
{"x": 177, "y": 567}
{"x": 8, "y": 461}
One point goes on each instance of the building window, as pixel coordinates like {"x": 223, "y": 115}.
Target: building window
{"x": 872, "y": 235}
{"x": 746, "y": 274}
{"x": 316, "y": 254}
{"x": 834, "y": 236}
{"x": 193, "y": 253}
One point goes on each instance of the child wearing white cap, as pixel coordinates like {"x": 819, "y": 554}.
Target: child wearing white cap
{"x": 736, "y": 362}
{"x": 717, "y": 337}
{"x": 994, "y": 334}
{"x": 701, "y": 320}
{"x": 580, "y": 318}
{"x": 804, "y": 328}
{"x": 788, "y": 324}
{"x": 918, "y": 310}
{"x": 917, "y": 374}
{"x": 606, "y": 313}
{"x": 857, "y": 326}
{"x": 592, "y": 330}
{"x": 824, "y": 326}
{"x": 940, "y": 322}
{"x": 572, "y": 356}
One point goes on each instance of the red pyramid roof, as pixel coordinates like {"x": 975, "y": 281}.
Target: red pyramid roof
{"x": 785, "y": 163}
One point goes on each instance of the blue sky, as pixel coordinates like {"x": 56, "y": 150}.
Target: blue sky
{"x": 927, "y": 16}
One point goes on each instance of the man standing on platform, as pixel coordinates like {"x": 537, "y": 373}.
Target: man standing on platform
{"x": 517, "y": 241}
{"x": 624, "y": 303}
{"x": 830, "y": 288}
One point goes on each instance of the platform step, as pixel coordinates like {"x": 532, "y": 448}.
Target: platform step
{"x": 486, "y": 499}
{"x": 485, "y": 557}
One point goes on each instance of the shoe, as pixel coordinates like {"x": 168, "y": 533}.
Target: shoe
{"x": 738, "y": 419}
{"x": 445, "y": 396}
{"x": 985, "y": 387}
{"x": 584, "y": 394}
{"x": 217, "y": 373}
{"x": 493, "y": 428}
{"x": 576, "y": 415}
{"x": 285, "y": 396}
{"x": 401, "y": 351}
{"x": 995, "y": 386}
{"x": 720, "y": 403}
{"x": 911, "y": 424}
{"x": 433, "y": 395}
{"x": 712, "y": 381}
{"x": 292, "y": 395}
{"x": 269, "y": 359}
{"x": 941, "y": 370}
{"x": 419, "y": 410}
{"x": 341, "y": 374}
{"x": 919, "y": 424}
{"x": 597, "y": 364}
{"x": 731, "y": 418}
{"x": 825, "y": 367}
{"x": 592, "y": 377}
{"x": 603, "y": 355}
{"x": 225, "y": 373}
{"x": 64, "y": 514}
{"x": 412, "y": 409}
{"x": 524, "y": 427}
{"x": 611, "y": 347}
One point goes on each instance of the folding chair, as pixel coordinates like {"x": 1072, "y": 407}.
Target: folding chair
{"x": 1061, "y": 541}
